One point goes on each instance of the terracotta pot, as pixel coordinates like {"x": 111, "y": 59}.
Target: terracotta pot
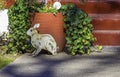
{"x": 9, "y": 3}
{"x": 51, "y": 24}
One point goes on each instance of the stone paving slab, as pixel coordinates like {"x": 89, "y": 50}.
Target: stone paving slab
{"x": 104, "y": 64}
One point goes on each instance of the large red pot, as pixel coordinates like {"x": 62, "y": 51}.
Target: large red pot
{"x": 51, "y": 24}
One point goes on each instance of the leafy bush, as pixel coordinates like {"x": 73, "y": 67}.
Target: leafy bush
{"x": 19, "y": 24}
{"x": 78, "y": 30}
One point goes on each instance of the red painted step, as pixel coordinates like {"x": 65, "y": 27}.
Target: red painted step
{"x": 106, "y": 29}
{"x": 107, "y": 38}
{"x": 106, "y": 21}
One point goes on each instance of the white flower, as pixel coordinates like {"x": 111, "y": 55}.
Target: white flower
{"x": 57, "y": 5}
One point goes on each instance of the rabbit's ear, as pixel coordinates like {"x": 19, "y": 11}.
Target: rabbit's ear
{"x": 37, "y": 25}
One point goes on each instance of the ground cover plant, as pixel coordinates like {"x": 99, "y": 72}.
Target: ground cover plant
{"x": 5, "y": 60}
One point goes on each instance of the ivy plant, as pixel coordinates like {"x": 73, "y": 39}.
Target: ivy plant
{"x": 19, "y": 24}
{"x": 78, "y": 30}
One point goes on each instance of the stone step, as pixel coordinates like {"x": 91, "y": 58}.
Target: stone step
{"x": 98, "y": 6}
{"x": 107, "y": 37}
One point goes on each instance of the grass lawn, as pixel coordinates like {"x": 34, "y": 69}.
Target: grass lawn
{"x": 7, "y": 59}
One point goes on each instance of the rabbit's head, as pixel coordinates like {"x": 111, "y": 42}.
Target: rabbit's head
{"x": 33, "y": 30}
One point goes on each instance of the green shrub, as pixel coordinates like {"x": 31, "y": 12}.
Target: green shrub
{"x": 19, "y": 24}
{"x": 78, "y": 30}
